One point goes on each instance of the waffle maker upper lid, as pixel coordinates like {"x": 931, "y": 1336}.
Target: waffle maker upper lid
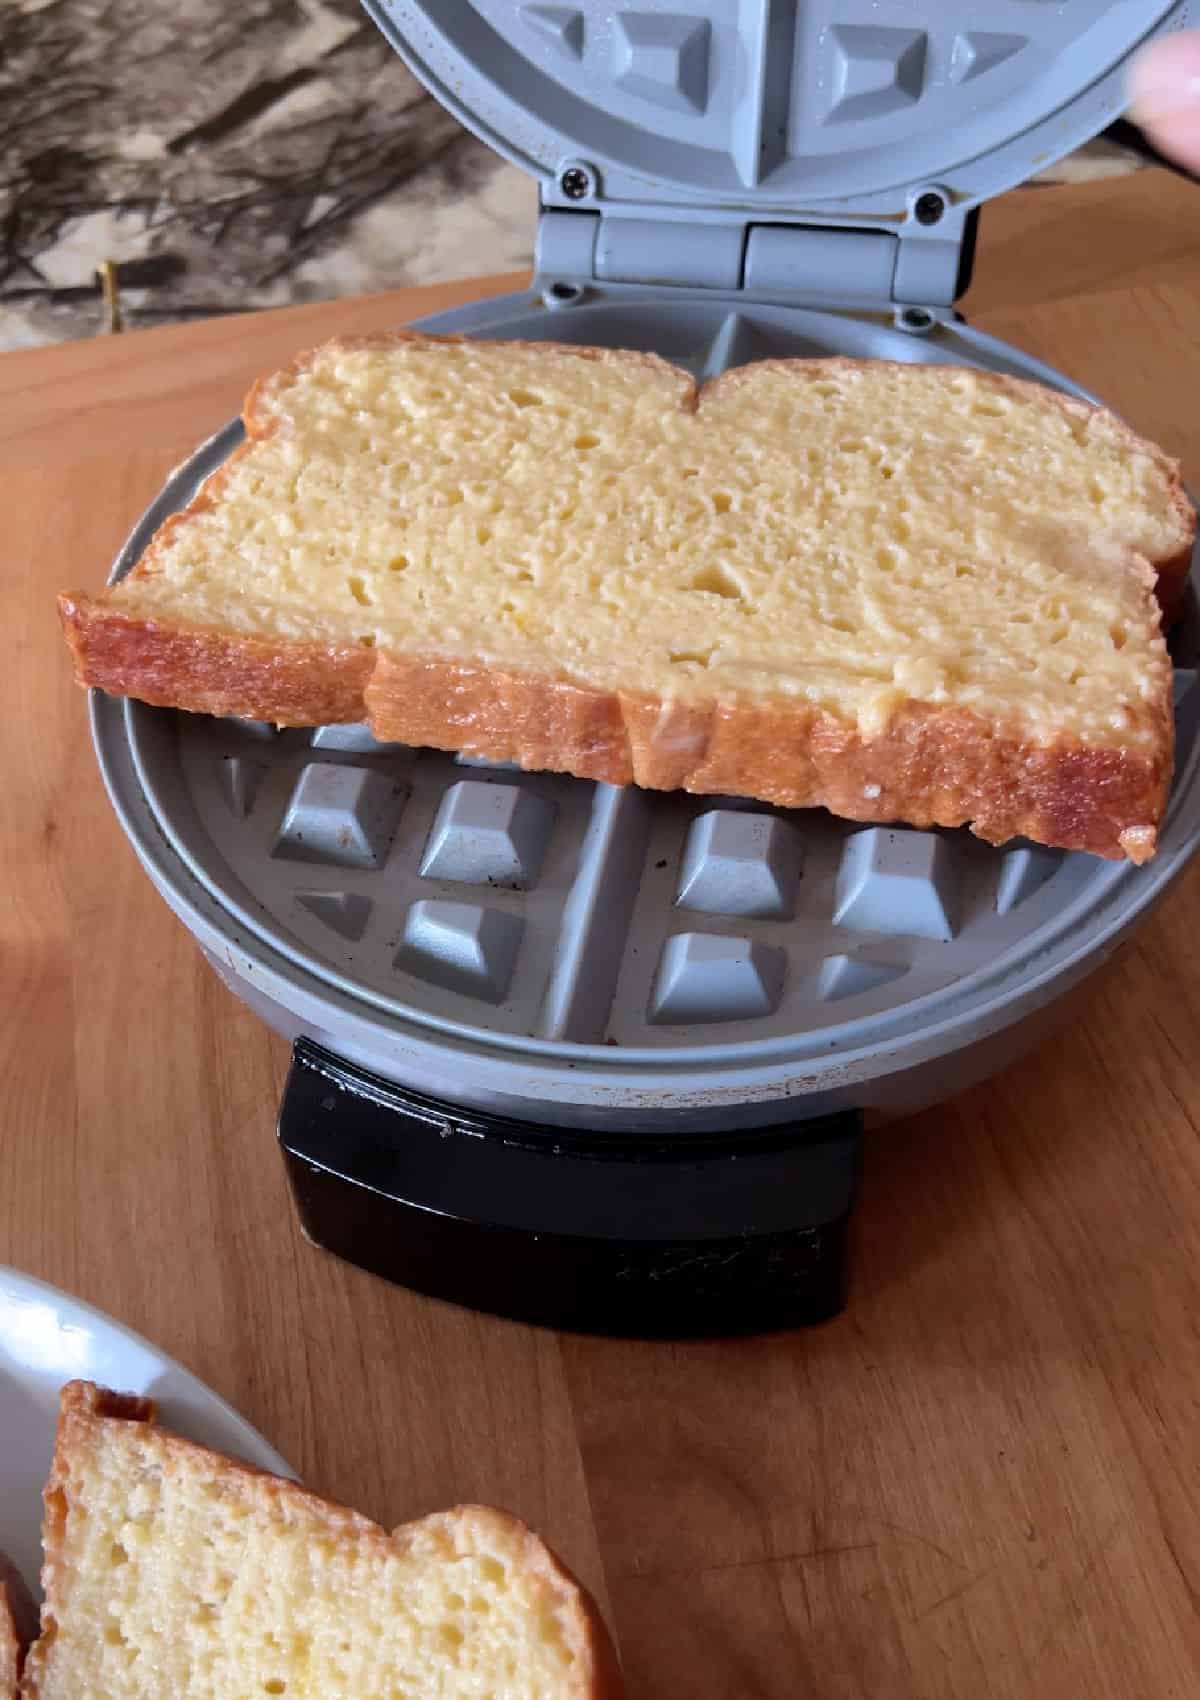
{"x": 776, "y": 105}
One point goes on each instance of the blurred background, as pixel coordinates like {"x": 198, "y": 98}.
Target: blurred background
{"x": 232, "y": 157}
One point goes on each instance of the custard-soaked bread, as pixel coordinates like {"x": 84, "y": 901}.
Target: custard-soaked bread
{"x": 909, "y": 593}
{"x": 174, "y": 1574}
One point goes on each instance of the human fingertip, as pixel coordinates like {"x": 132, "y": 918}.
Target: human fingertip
{"x": 1164, "y": 79}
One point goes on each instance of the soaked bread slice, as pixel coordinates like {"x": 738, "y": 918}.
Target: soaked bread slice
{"x": 172, "y": 1573}
{"x": 912, "y": 593}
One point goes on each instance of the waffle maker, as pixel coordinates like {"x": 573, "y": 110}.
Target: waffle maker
{"x": 601, "y": 1058}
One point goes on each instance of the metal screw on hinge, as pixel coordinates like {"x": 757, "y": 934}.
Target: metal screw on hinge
{"x": 576, "y": 181}
{"x": 562, "y": 294}
{"x": 915, "y": 319}
{"x": 929, "y": 208}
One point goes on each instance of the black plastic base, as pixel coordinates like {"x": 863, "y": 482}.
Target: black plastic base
{"x": 634, "y": 1235}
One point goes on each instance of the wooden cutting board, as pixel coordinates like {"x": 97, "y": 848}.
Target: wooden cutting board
{"x": 981, "y": 1481}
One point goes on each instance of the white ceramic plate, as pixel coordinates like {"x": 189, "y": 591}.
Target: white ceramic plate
{"x": 46, "y": 1338}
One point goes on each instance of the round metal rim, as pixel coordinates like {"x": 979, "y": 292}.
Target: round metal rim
{"x": 968, "y": 1002}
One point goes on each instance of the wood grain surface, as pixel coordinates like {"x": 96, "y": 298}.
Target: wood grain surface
{"x": 983, "y": 1480}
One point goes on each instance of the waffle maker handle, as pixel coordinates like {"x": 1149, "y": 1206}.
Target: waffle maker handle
{"x": 634, "y": 1235}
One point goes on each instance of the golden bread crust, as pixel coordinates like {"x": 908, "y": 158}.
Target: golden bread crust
{"x": 84, "y": 1412}
{"x": 293, "y": 684}
{"x": 931, "y": 766}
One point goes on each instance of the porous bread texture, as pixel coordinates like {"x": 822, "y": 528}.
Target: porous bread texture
{"x": 172, "y": 1573}
{"x": 904, "y": 592}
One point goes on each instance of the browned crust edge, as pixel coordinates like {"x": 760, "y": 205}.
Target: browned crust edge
{"x": 208, "y": 672}
{"x": 80, "y": 1403}
{"x": 928, "y": 767}
{"x": 931, "y": 766}
{"x": 85, "y": 1410}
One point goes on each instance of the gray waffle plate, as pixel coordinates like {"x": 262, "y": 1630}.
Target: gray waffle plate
{"x": 544, "y": 915}
{"x": 788, "y": 106}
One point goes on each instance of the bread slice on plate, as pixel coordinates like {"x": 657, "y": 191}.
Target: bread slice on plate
{"x": 172, "y": 1573}
{"x": 904, "y": 592}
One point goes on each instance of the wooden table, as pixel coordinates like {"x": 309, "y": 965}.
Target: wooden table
{"x": 981, "y": 1481}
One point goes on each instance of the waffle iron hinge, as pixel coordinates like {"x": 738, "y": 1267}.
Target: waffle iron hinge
{"x": 914, "y": 262}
